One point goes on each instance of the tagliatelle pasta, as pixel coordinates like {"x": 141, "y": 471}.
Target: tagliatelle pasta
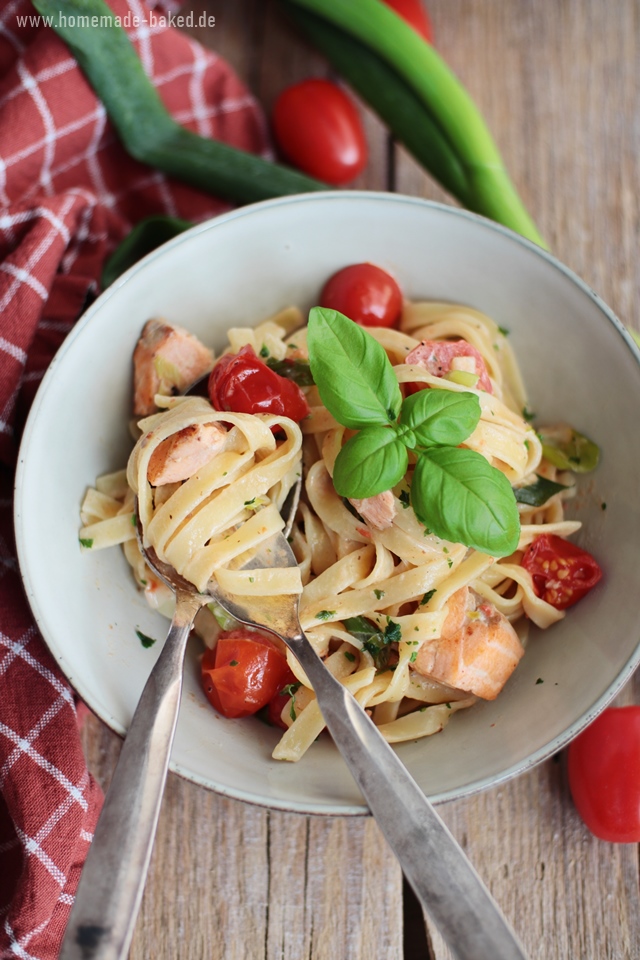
{"x": 417, "y": 627}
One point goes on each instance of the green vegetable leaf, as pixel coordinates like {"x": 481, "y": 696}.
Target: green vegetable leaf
{"x": 462, "y": 498}
{"x": 373, "y": 639}
{"x": 352, "y": 372}
{"x": 537, "y": 493}
{"x": 440, "y": 416}
{"x": 297, "y": 370}
{"x": 427, "y": 597}
{"x": 567, "y": 449}
{"x": 325, "y": 614}
{"x": 372, "y": 461}
{"x": 86, "y": 542}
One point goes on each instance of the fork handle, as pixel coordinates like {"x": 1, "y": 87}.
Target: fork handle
{"x": 443, "y": 878}
{"x": 110, "y": 890}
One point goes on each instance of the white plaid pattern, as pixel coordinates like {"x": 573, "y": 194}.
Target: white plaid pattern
{"x": 68, "y": 194}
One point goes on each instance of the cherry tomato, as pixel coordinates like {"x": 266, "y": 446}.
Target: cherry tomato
{"x": 562, "y": 573}
{"x": 364, "y": 293}
{"x": 243, "y": 673}
{"x": 318, "y": 128}
{"x": 277, "y": 704}
{"x": 241, "y": 382}
{"x": 436, "y": 356}
{"x": 604, "y": 775}
{"x": 415, "y": 14}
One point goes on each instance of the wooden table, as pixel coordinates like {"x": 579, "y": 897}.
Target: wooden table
{"x": 558, "y": 83}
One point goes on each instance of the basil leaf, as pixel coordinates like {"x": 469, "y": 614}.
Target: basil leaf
{"x": 352, "y": 372}
{"x": 440, "y": 416}
{"x": 372, "y": 461}
{"x": 461, "y": 497}
{"x": 536, "y": 494}
{"x": 567, "y": 449}
{"x": 297, "y": 370}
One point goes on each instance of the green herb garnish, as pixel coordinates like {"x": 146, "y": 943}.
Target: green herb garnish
{"x": 455, "y": 492}
{"x": 379, "y": 594}
{"x": 405, "y": 499}
{"x": 567, "y": 449}
{"x": 537, "y": 494}
{"x": 297, "y": 370}
{"x": 144, "y": 639}
{"x": 375, "y": 641}
{"x": 350, "y": 656}
{"x": 86, "y": 542}
{"x": 325, "y": 614}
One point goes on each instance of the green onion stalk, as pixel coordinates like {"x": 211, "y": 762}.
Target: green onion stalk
{"x": 426, "y": 107}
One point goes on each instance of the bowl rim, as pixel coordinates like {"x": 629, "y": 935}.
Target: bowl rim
{"x": 20, "y": 509}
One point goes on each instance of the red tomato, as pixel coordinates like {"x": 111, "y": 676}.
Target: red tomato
{"x": 562, "y": 573}
{"x": 277, "y": 704}
{"x": 243, "y": 673}
{"x": 364, "y": 293}
{"x": 436, "y": 356}
{"x": 318, "y": 129}
{"x": 604, "y": 775}
{"x": 415, "y": 14}
{"x": 241, "y": 382}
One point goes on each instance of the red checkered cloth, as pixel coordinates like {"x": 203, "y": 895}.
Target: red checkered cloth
{"x": 68, "y": 194}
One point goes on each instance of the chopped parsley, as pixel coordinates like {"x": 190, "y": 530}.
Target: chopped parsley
{"x": 413, "y": 657}
{"x": 233, "y": 663}
{"x": 405, "y": 499}
{"x": 528, "y": 415}
{"x": 448, "y": 706}
{"x": 374, "y": 640}
{"x": 325, "y": 614}
{"x": 428, "y": 595}
{"x": 449, "y": 562}
{"x": 144, "y": 639}
{"x": 264, "y": 351}
{"x": 350, "y": 656}
{"x": 88, "y": 543}
{"x": 379, "y": 594}
{"x": 504, "y": 331}
{"x": 539, "y": 680}
{"x": 134, "y": 520}
{"x": 290, "y": 690}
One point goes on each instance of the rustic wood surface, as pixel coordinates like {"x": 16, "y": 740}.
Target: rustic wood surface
{"x": 558, "y": 83}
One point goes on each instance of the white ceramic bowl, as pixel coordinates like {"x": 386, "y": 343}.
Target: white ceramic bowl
{"x": 578, "y": 363}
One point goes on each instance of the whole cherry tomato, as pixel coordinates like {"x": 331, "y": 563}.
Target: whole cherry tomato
{"x": 415, "y": 14}
{"x": 318, "y": 128}
{"x": 243, "y": 673}
{"x": 562, "y": 573}
{"x": 604, "y": 775}
{"x": 242, "y": 383}
{"x": 364, "y": 293}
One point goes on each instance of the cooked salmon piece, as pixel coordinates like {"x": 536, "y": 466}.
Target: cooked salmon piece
{"x": 477, "y": 651}
{"x": 440, "y": 357}
{"x": 181, "y": 455}
{"x": 166, "y": 360}
{"x": 378, "y": 511}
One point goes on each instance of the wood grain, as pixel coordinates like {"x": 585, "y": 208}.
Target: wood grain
{"x": 558, "y": 84}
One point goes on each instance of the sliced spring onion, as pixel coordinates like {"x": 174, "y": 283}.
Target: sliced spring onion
{"x": 567, "y": 449}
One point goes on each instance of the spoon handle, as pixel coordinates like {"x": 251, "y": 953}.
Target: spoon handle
{"x": 110, "y": 889}
{"x": 444, "y": 880}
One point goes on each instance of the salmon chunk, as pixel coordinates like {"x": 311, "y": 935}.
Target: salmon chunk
{"x": 440, "y": 357}
{"x": 180, "y": 456}
{"x": 477, "y": 651}
{"x": 378, "y": 511}
{"x": 166, "y": 360}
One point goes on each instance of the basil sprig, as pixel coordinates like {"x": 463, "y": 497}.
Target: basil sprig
{"x": 455, "y": 492}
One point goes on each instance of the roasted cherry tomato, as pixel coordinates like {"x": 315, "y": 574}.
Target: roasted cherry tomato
{"x": 604, "y": 775}
{"x": 277, "y": 704}
{"x": 562, "y": 573}
{"x": 318, "y": 128}
{"x": 364, "y": 293}
{"x": 241, "y": 382}
{"x": 415, "y": 14}
{"x": 243, "y": 673}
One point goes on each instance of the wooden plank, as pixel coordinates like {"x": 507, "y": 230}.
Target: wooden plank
{"x": 558, "y": 85}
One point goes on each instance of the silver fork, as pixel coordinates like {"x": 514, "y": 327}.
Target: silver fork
{"x": 443, "y": 878}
